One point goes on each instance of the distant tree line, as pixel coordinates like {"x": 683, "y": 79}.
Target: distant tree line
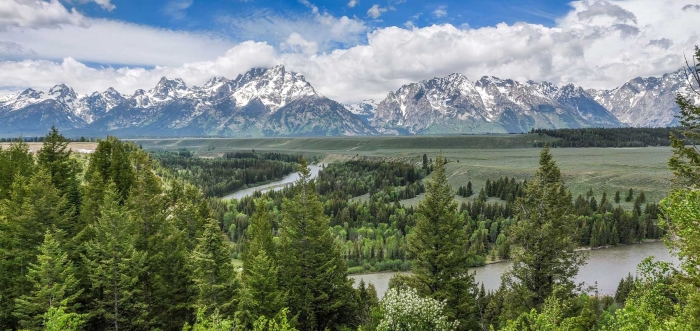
{"x": 219, "y": 176}
{"x": 606, "y": 137}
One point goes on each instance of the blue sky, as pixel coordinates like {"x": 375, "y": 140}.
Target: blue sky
{"x": 207, "y": 15}
{"x": 348, "y": 50}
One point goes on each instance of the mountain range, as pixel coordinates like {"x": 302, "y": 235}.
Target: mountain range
{"x": 278, "y": 102}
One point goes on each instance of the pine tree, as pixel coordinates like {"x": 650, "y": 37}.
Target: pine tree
{"x": 470, "y": 191}
{"x": 54, "y": 285}
{"x": 261, "y": 294}
{"x": 114, "y": 266}
{"x": 15, "y": 162}
{"x": 213, "y": 274}
{"x": 545, "y": 259}
{"x": 54, "y": 156}
{"x": 617, "y": 197}
{"x": 313, "y": 272}
{"x": 630, "y": 195}
{"x": 438, "y": 244}
{"x": 152, "y": 235}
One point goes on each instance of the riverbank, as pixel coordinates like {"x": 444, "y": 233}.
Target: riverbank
{"x": 604, "y": 269}
{"x": 581, "y": 249}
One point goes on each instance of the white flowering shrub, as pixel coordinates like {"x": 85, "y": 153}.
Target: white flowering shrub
{"x": 405, "y": 310}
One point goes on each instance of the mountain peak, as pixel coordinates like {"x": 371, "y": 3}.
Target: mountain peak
{"x": 63, "y": 93}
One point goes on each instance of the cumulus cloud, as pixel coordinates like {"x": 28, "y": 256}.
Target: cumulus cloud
{"x": 592, "y": 50}
{"x": 326, "y": 30}
{"x": 376, "y": 11}
{"x": 440, "y": 11}
{"x": 33, "y": 14}
{"x": 352, "y": 3}
{"x": 297, "y": 43}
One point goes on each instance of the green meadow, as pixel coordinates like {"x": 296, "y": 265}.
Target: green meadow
{"x": 472, "y": 158}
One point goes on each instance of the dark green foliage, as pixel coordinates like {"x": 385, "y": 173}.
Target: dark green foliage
{"x": 630, "y": 195}
{"x": 438, "y": 245}
{"x": 607, "y": 137}
{"x": 544, "y": 260}
{"x": 314, "y": 274}
{"x": 213, "y": 274}
{"x": 53, "y": 285}
{"x": 617, "y": 197}
{"x": 261, "y": 293}
{"x": 218, "y": 177}
{"x": 114, "y": 266}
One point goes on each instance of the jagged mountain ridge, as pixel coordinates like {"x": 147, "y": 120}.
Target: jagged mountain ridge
{"x": 647, "y": 102}
{"x": 274, "y": 101}
{"x": 454, "y": 104}
{"x": 245, "y": 106}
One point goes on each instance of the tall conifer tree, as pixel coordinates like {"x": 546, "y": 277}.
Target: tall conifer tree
{"x": 320, "y": 296}
{"x": 53, "y": 282}
{"x": 438, "y": 244}
{"x": 261, "y": 294}
{"x": 545, "y": 258}
{"x": 114, "y": 267}
{"x": 213, "y": 273}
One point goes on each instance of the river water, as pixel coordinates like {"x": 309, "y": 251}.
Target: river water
{"x": 274, "y": 186}
{"x": 605, "y": 266}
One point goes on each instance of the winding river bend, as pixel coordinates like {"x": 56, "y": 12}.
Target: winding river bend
{"x": 605, "y": 266}
{"x": 274, "y": 186}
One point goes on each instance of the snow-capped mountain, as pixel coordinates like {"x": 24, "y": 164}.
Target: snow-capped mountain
{"x": 647, "y": 102}
{"x": 260, "y": 102}
{"x": 454, "y": 104}
{"x": 365, "y": 109}
{"x": 274, "y": 101}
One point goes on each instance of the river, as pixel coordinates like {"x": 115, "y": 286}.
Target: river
{"x": 274, "y": 186}
{"x": 605, "y": 266}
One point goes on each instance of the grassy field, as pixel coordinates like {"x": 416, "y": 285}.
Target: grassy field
{"x": 472, "y": 158}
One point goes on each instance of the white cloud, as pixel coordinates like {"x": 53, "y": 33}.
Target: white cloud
{"x": 297, "y": 43}
{"x": 176, "y": 9}
{"x": 592, "y": 45}
{"x": 376, "y": 11}
{"x": 326, "y": 30}
{"x": 121, "y": 43}
{"x": 31, "y": 14}
{"x": 440, "y": 11}
{"x": 353, "y": 3}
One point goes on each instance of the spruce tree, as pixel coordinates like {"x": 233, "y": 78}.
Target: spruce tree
{"x": 545, "y": 258}
{"x": 438, "y": 245}
{"x": 630, "y": 195}
{"x": 15, "y": 162}
{"x": 114, "y": 266}
{"x": 54, "y": 156}
{"x": 261, "y": 294}
{"x": 54, "y": 285}
{"x": 470, "y": 191}
{"x": 617, "y": 197}
{"x": 213, "y": 274}
{"x": 319, "y": 294}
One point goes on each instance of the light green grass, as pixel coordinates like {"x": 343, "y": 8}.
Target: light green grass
{"x": 480, "y": 157}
